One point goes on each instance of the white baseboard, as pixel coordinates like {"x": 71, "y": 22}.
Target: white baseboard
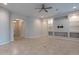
{"x": 32, "y": 37}
{"x": 12, "y": 40}
{"x": 2, "y": 43}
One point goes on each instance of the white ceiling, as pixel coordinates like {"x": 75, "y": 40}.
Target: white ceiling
{"x": 28, "y": 9}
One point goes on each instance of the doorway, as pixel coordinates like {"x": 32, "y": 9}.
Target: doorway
{"x": 17, "y": 28}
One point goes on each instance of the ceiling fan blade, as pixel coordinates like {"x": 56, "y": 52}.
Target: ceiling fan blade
{"x": 45, "y": 10}
{"x": 37, "y": 8}
{"x": 48, "y": 8}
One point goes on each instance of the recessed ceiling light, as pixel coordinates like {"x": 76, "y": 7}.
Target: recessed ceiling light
{"x": 74, "y": 7}
{"x": 50, "y": 21}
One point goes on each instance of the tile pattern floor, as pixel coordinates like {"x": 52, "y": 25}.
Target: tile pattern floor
{"x": 41, "y": 46}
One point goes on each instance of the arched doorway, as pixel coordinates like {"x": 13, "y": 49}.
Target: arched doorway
{"x": 17, "y": 28}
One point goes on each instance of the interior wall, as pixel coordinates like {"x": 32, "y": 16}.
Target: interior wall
{"x": 32, "y": 27}
{"x": 4, "y": 26}
{"x": 74, "y": 22}
{"x": 61, "y": 21}
{"x": 71, "y": 23}
{"x": 44, "y": 27}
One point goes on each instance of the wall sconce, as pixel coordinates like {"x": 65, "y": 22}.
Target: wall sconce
{"x": 50, "y": 21}
{"x": 74, "y": 17}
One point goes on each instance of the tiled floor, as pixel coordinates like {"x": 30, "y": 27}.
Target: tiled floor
{"x": 43, "y": 46}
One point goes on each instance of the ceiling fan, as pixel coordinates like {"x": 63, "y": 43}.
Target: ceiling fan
{"x": 44, "y": 8}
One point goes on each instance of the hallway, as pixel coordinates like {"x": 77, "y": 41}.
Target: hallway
{"x": 43, "y": 46}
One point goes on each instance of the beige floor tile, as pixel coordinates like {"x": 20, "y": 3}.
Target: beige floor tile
{"x": 41, "y": 46}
